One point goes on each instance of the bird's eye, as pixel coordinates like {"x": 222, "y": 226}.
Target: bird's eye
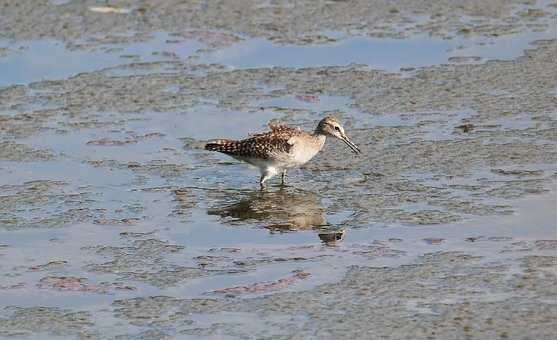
{"x": 337, "y": 128}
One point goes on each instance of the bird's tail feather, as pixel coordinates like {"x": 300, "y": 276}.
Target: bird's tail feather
{"x": 221, "y": 145}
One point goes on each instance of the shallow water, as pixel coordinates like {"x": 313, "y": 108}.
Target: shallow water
{"x": 390, "y": 55}
{"x": 50, "y": 60}
{"x": 211, "y": 206}
{"x": 106, "y": 206}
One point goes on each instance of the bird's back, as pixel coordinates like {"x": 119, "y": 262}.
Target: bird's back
{"x": 270, "y": 145}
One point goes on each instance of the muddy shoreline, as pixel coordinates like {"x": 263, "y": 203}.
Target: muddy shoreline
{"x": 115, "y": 223}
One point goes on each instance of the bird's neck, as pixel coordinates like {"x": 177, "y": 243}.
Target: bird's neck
{"x": 320, "y": 138}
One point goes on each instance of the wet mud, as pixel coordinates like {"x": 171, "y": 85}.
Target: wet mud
{"x": 115, "y": 223}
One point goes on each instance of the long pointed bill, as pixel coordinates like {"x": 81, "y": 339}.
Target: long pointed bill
{"x": 351, "y": 145}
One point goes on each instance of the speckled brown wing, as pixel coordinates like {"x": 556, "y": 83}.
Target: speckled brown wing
{"x": 266, "y": 145}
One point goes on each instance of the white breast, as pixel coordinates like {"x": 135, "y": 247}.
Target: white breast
{"x": 304, "y": 150}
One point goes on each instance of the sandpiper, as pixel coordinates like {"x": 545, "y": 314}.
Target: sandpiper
{"x": 282, "y": 148}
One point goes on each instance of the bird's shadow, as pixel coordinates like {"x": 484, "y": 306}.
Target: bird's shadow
{"x": 279, "y": 209}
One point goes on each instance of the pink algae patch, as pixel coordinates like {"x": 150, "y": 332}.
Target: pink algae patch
{"x": 78, "y": 284}
{"x": 433, "y": 241}
{"x": 546, "y": 244}
{"x": 308, "y": 98}
{"x": 263, "y": 287}
{"x": 49, "y": 265}
{"x": 213, "y": 39}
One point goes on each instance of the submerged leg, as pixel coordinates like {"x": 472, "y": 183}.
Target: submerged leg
{"x": 265, "y": 175}
{"x": 283, "y": 177}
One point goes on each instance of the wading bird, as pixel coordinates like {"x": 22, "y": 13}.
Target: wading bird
{"x": 282, "y": 148}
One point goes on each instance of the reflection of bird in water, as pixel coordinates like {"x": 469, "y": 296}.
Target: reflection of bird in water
{"x": 282, "y": 148}
{"x": 283, "y": 210}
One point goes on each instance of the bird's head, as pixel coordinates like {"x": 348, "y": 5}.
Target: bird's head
{"x": 330, "y": 126}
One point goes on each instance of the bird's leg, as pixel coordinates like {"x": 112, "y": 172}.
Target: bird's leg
{"x": 283, "y": 177}
{"x": 265, "y": 175}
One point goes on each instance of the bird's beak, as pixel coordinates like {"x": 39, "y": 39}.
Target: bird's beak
{"x": 351, "y": 145}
